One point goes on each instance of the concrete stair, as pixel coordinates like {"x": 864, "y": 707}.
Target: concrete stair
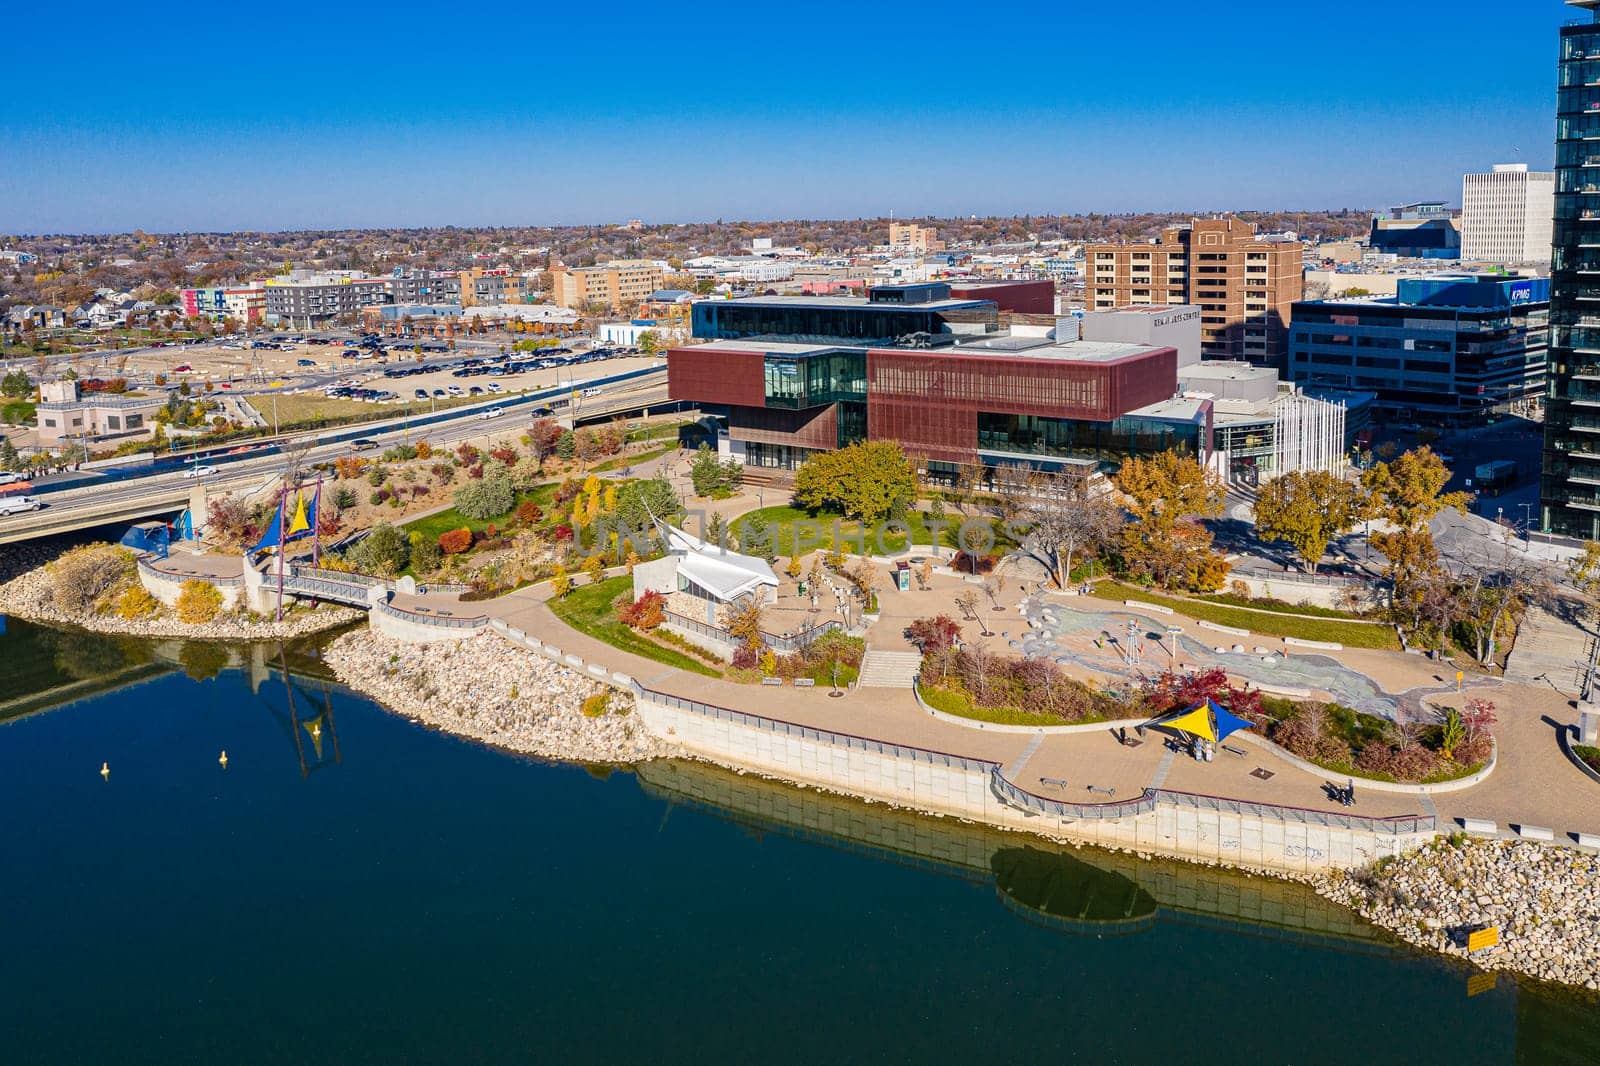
{"x": 889, "y": 669}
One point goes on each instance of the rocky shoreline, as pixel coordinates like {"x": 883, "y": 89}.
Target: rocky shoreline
{"x": 1545, "y": 901}
{"x": 485, "y": 689}
{"x": 25, "y": 591}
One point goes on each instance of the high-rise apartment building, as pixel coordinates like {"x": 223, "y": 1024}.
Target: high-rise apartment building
{"x": 1570, "y": 488}
{"x": 615, "y": 286}
{"x": 912, "y": 239}
{"x": 1245, "y": 287}
{"x": 1505, "y": 215}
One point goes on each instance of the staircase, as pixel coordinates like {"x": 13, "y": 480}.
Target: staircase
{"x": 889, "y": 669}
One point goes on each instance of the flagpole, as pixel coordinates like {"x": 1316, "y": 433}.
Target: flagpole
{"x": 283, "y": 501}
{"x": 316, "y": 525}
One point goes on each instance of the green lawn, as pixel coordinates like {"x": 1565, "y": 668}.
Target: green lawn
{"x": 588, "y": 610}
{"x": 1588, "y": 754}
{"x": 782, "y": 520}
{"x": 958, "y": 704}
{"x": 443, "y": 521}
{"x": 18, "y": 412}
{"x": 1350, "y": 634}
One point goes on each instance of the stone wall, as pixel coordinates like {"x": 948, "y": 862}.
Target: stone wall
{"x": 167, "y": 587}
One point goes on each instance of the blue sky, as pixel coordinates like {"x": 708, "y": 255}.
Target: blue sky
{"x": 230, "y": 116}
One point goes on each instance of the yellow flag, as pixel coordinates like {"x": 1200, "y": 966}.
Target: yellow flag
{"x": 300, "y": 523}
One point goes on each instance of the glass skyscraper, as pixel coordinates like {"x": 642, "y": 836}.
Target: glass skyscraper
{"x": 1570, "y": 491}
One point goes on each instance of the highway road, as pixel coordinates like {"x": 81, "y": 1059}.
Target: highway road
{"x": 167, "y": 492}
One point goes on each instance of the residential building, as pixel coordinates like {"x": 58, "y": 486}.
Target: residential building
{"x": 1570, "y": 486}
{"x": 12, "y": 255}
{"x": 64, "y": 416}
{"x": 424, "y": 286}
{"x": 246, "y": 304}
{"x": 307, "y": 300}
{"x": 36, "y": 316}
{"x": 1245, "y": 286}
{"x": 755, "y": 269}
{"x": 1446, "y": 349}
{"x": 909, "y": 238}
{"x": 615, "y": 286}
{"x": 480, "y": 287}
{"x": 1506, "y": 214}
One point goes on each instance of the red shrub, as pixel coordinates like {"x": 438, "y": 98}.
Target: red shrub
{"x": 529, "y": 513}
{"x": 475, "y": 472}
{"x": 647, "y": 612}
{"x": 455, "y": 541}
{"x": 563, "y": 533}
{"x": 935, "y": 634}
{"x": 746, "y": 657}
{"x": 467, "y": 454}
{"x": 504, "y": 454}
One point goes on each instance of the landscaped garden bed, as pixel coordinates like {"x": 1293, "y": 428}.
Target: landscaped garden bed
{"x": 1349, "y": 631}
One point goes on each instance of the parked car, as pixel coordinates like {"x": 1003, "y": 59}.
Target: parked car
{"x": 199, "y": 471}
{"x": 440, "y": 393}
{"x": 305, "y": 362}
{"x": 8, "y": 477}
{"x": 421, "y": 394}
{"x": 454, "y": 390}
{"x": 475, "y": 391}
{"x": 495, "y": 386}
{"x": 19, "y": 504}
{"x": 182, "y": 368}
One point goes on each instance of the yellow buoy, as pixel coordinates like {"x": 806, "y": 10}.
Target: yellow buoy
{"x": 223, "y": 762}
{"x": 105, "y": 771}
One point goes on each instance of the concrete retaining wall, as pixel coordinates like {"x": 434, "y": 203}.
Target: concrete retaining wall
{"x": 418, "y": 629}
{"x": 963, "y": 788}
{"x": 167, "y": 587}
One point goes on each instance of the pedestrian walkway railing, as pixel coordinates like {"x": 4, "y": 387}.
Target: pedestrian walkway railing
{"x": 318, "y": 588}
{"x": 344, "y": 576}
{"x": 441, "y": 621}
{"x": 792, "y": 643}
{"x": 1020, "y": 797}
{"x": 848, "y": 741}
{"x": 1151, "y": 798}
{"x": 169, "y": 576}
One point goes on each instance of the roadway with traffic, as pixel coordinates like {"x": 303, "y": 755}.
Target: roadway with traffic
{"x": 119, "y": 494}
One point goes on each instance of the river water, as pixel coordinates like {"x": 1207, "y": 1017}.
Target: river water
{"x": 356, "y": 888}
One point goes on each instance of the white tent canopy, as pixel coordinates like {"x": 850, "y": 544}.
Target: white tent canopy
{"x": 721, "y": 574}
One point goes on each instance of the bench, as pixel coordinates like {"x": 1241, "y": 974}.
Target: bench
{"x": 772, "y": 681}
{"x": 1106, "y": 791}
{"x": 1233, "y": 751}
{"x": 1053, "y": 782}
{"x": 805, "y": 682}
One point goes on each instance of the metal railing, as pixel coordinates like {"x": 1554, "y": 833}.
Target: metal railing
{"x": 1151, "y": 798}
{"x": 796, "y": 642}
{"x": 848, "y": 741}
{"x": 440, "y": 621}
{"x": 1398, "y": 824}
{"x": 1020, "y": 797}
{"x": 316, "y": 573}
{"x": 322, "y": 589}
{"x": 178, "y": 579}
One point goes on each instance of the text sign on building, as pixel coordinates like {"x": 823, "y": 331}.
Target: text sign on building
{"x": 1521, "y": 294}
{"x": 1174, "y": 317}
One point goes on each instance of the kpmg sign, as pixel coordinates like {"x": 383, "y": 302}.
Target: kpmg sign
{"x": 1522, "y": 293}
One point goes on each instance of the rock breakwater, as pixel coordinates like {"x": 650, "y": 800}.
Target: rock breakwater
{"x": 483, "y": 688}
{"x": 1545, "y": 901}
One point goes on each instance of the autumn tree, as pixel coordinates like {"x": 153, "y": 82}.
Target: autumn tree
{"x": 1167, "y": 495}
{"x": 870, "y": 480}
{"x": 1065, "y": 519}
{"x": 1408, "y": 493}
{"x": 1307, "y": 510}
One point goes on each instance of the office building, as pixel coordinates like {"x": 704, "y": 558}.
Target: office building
{"x": 1446, "y": 349}
{"x": 1245, "y": 286}
{"x": 1570, "y": 486}
{"x": 616, "y": 286}
{"x": 920, "y": 314}
{"x": 1506, "y": 215}
{"x": 1428, "y": 230}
